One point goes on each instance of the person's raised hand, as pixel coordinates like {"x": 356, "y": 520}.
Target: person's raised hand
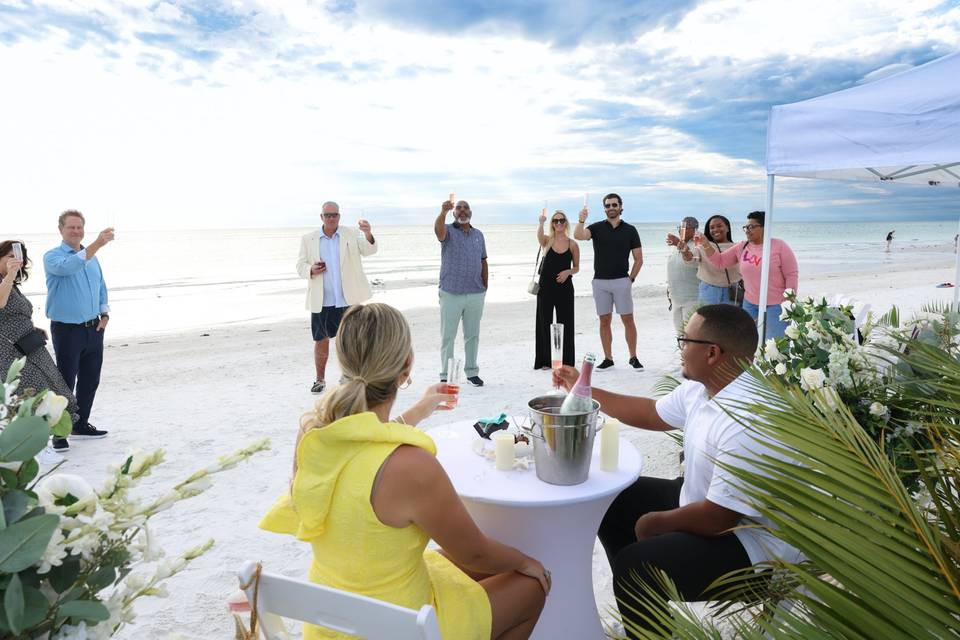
{"x": 13, "y": 267}
{"x": 435, "y": 396}
{"x": 583, "y": 215}
{"x": 364, "y": 226}
{"x": 105, "y": 236}
{"x": 446, "y": 206}
{"x": 698, "y": 239}
{"x": 672, "y": 240}
{"x": 532, "y": 567}
{"x": 566, "y": 376}
{"x": 543, "y": 216}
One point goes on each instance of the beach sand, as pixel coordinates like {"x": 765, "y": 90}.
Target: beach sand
{"x": 202, "y": 394}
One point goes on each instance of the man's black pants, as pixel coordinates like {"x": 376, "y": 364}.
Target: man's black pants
{"x": 79, "y": 351}
{"x": 692, "y": 562}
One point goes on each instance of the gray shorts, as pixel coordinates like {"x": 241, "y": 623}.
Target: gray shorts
{"x": 607, "y": 293}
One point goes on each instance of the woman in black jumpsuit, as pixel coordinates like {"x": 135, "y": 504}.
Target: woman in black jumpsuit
{"x": 560, "y": 262}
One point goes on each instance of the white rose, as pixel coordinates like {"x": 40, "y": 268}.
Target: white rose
{"x": 792, "y": 332}
{"x": 811, "y": 379}
{"x": 58, "y": 487}
{"x": 771, "y": 351}
{"x": 780, "y": 369}
{"x": 877, "y": 409}
{"x": 139, "y": 459}
{"x": 51, "y": 408}
{"x": 785, "y": 307}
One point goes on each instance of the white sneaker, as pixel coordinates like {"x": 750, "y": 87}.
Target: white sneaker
{"x": 49, "y": 457}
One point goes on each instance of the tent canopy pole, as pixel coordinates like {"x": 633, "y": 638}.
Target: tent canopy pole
{"x": 765, "y": 263}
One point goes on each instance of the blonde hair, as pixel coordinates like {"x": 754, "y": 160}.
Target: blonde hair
{"x": 373, "y": 348}
{"x": 553, "y": 228}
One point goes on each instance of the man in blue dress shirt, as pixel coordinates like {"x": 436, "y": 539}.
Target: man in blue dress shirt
{"x": 78, "y": 311}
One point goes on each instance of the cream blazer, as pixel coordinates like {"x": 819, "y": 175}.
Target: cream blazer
{"x": 353, "y": 246}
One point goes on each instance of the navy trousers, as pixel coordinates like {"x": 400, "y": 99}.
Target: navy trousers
{"x": 79, "y": 351}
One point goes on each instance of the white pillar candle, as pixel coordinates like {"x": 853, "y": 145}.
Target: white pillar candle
{"x": 610, "y": 445}
{"x": 503, "y": 447}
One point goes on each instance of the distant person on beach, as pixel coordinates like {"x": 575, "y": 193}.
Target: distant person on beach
{"x": 614, "y": 241}
{"x": 890, "y": 240}
{"x": 683, "y": 286}
{"x": 79, "y": 310}
{"x": 463, "y": 286}
{"x": 368, "y": 494}
{"x": 561, "y": 261}
{"x": 16, "y": 330}
{"x": 717, "y": 286}
{"x": 784, "y": 272}
{"x": 330, "y": 259}
{"x": 702, "y": 525}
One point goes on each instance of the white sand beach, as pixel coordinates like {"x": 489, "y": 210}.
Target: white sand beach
{"x": 204, "y": 393}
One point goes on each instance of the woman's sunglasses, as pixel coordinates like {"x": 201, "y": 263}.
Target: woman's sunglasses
{"x": 559, "y": 221}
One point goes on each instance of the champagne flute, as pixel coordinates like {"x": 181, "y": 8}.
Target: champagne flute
{"x": 556, "y": 349}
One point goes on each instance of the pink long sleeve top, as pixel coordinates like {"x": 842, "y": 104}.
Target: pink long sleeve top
{"x": 783, "y": 268}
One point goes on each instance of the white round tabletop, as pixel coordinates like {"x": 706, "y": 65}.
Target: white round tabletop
{"x": 474, "y": 476}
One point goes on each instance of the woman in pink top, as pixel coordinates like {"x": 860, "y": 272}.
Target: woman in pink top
{"x": 749, "y": 255}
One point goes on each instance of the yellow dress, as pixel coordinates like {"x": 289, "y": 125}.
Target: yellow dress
{"x": 329, "y": 507}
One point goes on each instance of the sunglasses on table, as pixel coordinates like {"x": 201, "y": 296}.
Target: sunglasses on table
{"x": 683, "y": 342}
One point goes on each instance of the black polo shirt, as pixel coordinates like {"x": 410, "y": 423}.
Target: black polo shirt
{"x": 611, "y": 249}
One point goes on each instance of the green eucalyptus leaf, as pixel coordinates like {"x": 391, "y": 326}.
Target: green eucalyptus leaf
{"x": 23, "y": 438}
{"x": 13, "y": 605}
{"x": 15, "y": 505}
{"x": 8, "y": 477}
{"x": 22, "y": 544}
{"x": 89, "y": 610}
{"x": 15, "y": 368}
{"x": 63, "y": 577}
{"x": 28, "y": 471}
{"x": 64, "y": 426}
{"x": 101, "y": 579}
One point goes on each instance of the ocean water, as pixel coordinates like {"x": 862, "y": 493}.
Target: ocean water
{"x": 171, "y": 281}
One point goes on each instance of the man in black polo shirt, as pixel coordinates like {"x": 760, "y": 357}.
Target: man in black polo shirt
{"x": 613, "y": 242}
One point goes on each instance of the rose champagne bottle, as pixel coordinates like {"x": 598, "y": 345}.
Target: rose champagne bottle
{"x": 580, "y": 399}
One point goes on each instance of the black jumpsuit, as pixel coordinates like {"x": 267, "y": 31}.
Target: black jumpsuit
{"x": 554, "y": 296}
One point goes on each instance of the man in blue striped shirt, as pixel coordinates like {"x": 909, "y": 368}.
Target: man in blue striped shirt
{"x": 78, "y": 310}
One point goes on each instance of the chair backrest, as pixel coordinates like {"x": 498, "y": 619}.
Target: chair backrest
{"x": 334, "y": 609}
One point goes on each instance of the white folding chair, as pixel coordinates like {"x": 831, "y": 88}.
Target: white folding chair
{"x": 334, "y": 609}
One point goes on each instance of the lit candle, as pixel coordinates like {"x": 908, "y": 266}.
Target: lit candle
{"x": 610, "y": 445}
{"x": 503, "y": 447}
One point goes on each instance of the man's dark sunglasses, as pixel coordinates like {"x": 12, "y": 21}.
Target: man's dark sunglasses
{"x": 682, "y": 342}
{"x": 331, "y": 215}
{"x": 612, "y": 205}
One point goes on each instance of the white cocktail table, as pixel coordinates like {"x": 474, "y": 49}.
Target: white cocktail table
{"x": 555, "y": 524}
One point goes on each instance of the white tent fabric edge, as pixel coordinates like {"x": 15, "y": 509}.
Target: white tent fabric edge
{"x": 901, "y": 128}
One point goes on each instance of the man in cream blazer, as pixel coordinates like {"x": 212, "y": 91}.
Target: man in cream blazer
{"x": 330, "y": 259}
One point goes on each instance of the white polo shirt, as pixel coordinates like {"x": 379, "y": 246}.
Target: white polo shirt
{"x": 710, "y": 435}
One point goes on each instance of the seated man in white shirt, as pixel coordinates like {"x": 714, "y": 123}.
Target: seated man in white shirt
{"x": 682, "y": 526}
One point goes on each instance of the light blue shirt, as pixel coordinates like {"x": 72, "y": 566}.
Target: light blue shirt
{"x": 332, "y": 282}
{"x": 76, "y": 291}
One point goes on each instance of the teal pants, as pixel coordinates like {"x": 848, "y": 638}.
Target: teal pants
{"x": 454, "y": 308}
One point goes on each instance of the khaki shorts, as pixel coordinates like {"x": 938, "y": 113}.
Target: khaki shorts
{"x": 608, "y": 294}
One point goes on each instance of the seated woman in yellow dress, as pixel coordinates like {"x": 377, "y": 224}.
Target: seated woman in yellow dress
{"x": 368, "y": 494}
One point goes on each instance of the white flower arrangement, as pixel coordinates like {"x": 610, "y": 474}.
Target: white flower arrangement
{"x": 71, "y": 553}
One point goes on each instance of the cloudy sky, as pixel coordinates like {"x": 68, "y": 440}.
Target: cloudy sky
{"x": 251, "y": 114}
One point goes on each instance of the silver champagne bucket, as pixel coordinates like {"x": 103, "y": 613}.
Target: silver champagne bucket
{"x": 562, "y": 444}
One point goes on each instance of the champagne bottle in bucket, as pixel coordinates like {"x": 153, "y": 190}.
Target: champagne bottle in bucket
{"x": 580, "y": 398}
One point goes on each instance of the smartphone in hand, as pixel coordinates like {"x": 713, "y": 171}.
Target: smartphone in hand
{"x": 18, "y": 251}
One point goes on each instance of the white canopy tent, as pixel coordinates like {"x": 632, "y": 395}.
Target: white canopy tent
{"x": 902, "y": 128}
